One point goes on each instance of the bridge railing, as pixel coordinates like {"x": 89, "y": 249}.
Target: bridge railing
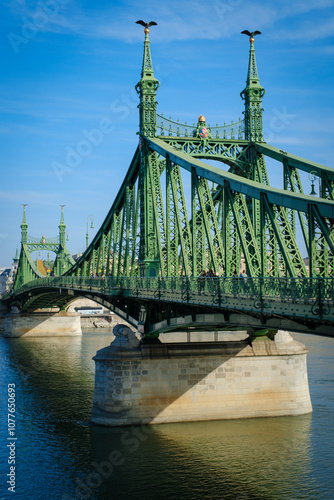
{"x": 168, "y": 127}
{"x": 310, "y": 300}
{"x": 33, "y": 240}
{"x": 202, "y": 290}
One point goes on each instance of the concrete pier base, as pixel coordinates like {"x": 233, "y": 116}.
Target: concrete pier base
{"x": 42, "y": 324}
{"x": 178, "y": 382}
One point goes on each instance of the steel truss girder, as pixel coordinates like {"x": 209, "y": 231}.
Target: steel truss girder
{"x": 135, "y": 235}
{"x": 321, "y": 244}
{"x": 126, "y": 243}
{"x": 27, "y": 269}
{"x": 238, "y": 214}
{"x": 327, "y": 187}
{"x": 178, "y": 228}
{"x": 322, "y": 171}
{"x": 199, "y": 256}
{"x": 253, "y": 189}
{"x": 172, "y": 233}
{"x": 210, "y": 223}
{"x": 230, "y": 235}
{"x": 246, "y": 232}
{"x": 293, "y": 182}
{"x": 278, "y": 234}
{"x": 107, "y": 243}
{"x": 286, "y": 239}
{"x": 156, "y": 231}
{"x": 231, "y": 152}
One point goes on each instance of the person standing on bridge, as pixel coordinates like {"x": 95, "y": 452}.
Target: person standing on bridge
{"x": 243, "y": 275}
{"x": 201, "y": 282}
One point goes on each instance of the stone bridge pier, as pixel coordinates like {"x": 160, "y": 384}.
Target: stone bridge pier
{"x": 41, "y": 324}
{"x": 138, "y": 383}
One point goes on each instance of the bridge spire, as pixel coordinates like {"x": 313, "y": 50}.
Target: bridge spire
{"x": 24, "y": 227}
{"x": 62, "y": 227}
{"x": 146, "y": 88}
{"x": 252, "y": 95}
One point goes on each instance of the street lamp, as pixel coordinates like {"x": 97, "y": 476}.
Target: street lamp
{"x": 91, "y": 219}
{"x": 312, "y": 177}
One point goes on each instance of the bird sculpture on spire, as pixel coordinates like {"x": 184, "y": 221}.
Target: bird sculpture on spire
{"x": 146, "y": 25}
{"x": 251, "y": 34}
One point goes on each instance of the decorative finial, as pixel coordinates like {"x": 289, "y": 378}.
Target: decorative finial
{"x": 62, "y": 221}
{"x": 147, "y": 25}
{"x": 251, "y": 34}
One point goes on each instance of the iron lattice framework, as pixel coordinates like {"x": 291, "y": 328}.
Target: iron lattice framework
{"x": 27, "y": 269}
{"x": 175, "y": 214}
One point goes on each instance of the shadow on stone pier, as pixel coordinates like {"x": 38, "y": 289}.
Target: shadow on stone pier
{"x": 176, "y": 382}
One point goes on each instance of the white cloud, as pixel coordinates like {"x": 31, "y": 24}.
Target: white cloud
{"x": 186, "y": 20}
{"x": 298, "y": 7}
{"x": 310, "y": 30}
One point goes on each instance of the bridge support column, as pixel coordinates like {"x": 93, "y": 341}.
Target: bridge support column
{"x": 42, "y": 324}
{"x": 188, "y": 381}
{"x": 149, "y": 268}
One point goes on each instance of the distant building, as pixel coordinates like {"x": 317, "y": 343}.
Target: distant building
{"x": 307, "y": 264}
{"x": 76, "y": 256}
{"x": 5, "y": 280}
{"x": 7, "y": 274}
{"x": 41, "y": 267}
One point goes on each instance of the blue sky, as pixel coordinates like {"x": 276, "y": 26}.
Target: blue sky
{"x": 70, "y": 66}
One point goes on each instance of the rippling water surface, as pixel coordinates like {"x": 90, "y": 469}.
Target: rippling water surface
{"x": 60, "y": 456}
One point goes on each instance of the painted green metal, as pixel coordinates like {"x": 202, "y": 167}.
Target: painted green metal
{"x": 301, "y": 304}
{"x": 245, "y": 232}
{"x": 177, "y": 223}
{"x": 169, "y": 128}
{"x": 175, "y": 215}
{"x": 146, "y": 88}
{"x": 152, "y": 212}
{"x": 27, "y": 269}
{"x": 245, "y": 186}
{"x": 252, "y": 95}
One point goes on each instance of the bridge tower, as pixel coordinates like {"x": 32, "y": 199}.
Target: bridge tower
{"x": 27, "y": 269}
{"x": 24, "y": 227}
{"x": 209, "y": 347}
{"x": 252, "y": 95}
{"x": 257, "y": 171}
{"x": 63, "y": 260}
{"x": 149, "y": 186}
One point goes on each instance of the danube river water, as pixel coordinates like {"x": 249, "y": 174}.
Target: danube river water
{"x": 59, "y": 455}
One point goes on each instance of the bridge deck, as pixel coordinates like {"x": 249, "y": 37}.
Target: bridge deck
{"x": 308, "y": 301}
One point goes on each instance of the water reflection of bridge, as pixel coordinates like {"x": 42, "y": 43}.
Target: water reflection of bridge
{"x": 174, "y": 216}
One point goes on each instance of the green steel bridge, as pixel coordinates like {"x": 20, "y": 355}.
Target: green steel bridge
{"x": 176, "y": 215}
